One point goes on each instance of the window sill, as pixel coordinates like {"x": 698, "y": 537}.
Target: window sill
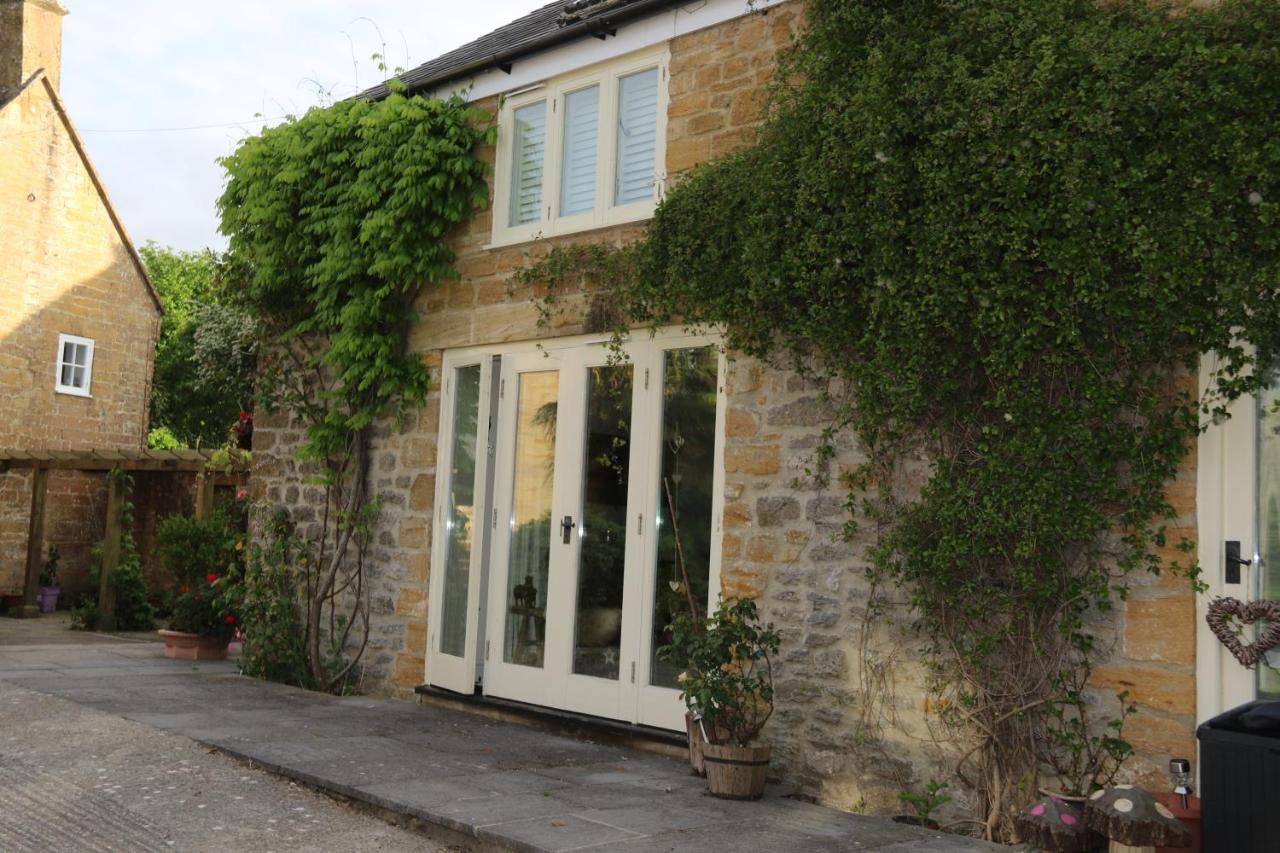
{"x": 516, "y": 238}
{"x": 73, "y": 392}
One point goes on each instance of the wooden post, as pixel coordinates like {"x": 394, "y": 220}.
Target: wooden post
{"x": 111, "y": 551}
{"x": 35, "y": 542}
{"x": 204, "y": 495}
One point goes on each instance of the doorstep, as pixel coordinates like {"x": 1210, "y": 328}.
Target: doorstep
{"x": 583, "y": 726}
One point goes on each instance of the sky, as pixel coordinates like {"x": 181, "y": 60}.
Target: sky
{"x": 134, "y": 70}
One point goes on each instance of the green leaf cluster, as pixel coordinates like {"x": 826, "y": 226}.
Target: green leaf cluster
{"x": 336, "y": 220}
{"x": 1008, "y": 232}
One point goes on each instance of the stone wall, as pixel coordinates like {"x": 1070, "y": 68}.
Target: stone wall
{"x": 854, "y": 725}
{"x": 64, "y": 268}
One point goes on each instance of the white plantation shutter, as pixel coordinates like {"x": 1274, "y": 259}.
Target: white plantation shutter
{"x": 528, "y": 146}
{"x": 637, "y": 136}
{"x": 581, "y": 132}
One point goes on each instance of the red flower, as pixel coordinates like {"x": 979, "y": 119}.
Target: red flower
{"x": 211, "y": 577}
{"x": 183, "y": 589}
{"x": 231, "y": 620}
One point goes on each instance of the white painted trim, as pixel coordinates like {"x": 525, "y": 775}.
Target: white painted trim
{"x": 1226, "y": 489}
{"x": 639, "y": 34}
{"x": 607, "y": 76}
{"x": 72, "y": 390}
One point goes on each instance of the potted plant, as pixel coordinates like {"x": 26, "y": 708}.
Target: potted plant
{"x": 48, "y": 589}
{"x": 731, "y": 687}
{"x": 204, "y": 560}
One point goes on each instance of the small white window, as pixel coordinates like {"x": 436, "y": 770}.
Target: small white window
{"x": 582, "y": 151}
{"x": 75, "y": 365}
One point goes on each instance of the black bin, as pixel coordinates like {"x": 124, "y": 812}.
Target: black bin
{"x": 1240, "y": 779}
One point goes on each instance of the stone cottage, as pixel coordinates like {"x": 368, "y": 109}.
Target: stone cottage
{"x": 524, "y": 550}
{"x": 78, "y": 315}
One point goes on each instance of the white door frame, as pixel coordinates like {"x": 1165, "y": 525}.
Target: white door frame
{"x": 1226, "y": 492}
{"x": 449, "y": 671}
{"x": 636, "y": 701}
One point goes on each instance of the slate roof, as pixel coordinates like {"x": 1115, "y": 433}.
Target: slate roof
{"x": 555, "y": 23}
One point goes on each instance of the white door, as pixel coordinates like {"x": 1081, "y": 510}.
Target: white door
{"x": 1238, "y": 509}
{"x": 593, "y": 449}
{"x": 461, "y": 508}
{"x": 528, "y": 552}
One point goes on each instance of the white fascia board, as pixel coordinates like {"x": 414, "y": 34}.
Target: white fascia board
{"x": 585, "y": 51}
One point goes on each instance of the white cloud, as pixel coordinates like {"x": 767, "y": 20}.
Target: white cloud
{"x": 146, "y": 65}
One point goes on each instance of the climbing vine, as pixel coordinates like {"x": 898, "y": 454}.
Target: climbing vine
{"x": 337, "y": 219}
{"x": 1009, "y": 231}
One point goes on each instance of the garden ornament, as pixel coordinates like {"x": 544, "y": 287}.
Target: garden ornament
{"x": 1051, "y": 823}
{"x": 1226, "y": 618}
{"x": 1133, "y": 821}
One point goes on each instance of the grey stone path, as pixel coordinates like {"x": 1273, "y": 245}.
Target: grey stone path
{"x": 498, "y": 785}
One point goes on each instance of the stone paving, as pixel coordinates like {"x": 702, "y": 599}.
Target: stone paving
{"x": 497, "y": 785}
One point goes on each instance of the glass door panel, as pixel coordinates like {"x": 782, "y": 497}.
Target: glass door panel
{"x": 461, "y": 507}
{"x": 686, "y": 484}
{"x": 460, "y": 511}
{"x": 603, "y": 531}
{"x": 529, "y": 555}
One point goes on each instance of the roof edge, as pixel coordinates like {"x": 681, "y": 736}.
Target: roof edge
{"x": 103, "y": 196}
{"x": 586, "y": 27}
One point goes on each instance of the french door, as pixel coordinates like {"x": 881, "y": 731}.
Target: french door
{"x": 1238, "y": 512}
{"x": 592, "y": 447}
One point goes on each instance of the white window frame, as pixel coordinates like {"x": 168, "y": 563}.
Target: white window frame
{"x": 58, "y": 387}
{"x": 605, "y": 213}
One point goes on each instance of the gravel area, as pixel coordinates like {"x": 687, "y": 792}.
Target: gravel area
{"x": 76, "y": 779}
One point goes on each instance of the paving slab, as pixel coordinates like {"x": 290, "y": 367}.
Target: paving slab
{"x": 504, "y": 785}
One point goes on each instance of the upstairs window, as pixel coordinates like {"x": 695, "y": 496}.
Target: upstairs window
{"x": 75, "y": 365}
{"x": 583, "y": 151}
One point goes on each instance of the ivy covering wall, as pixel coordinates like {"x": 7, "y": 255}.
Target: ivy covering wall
{"x": 1005, "y": 231}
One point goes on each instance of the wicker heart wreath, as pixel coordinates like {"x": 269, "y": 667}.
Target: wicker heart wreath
{"x": 1222, "y": 618}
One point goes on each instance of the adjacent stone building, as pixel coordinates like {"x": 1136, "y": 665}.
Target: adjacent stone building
{"x": 78, "y": 315}
{"x": 522, "y": 549}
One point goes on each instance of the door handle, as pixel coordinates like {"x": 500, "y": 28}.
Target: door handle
{"x": 566, "y": 528}
{"x": 1233, "y": 562}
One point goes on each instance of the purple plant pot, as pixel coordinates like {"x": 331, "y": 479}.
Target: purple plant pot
{"x": 47, "y": 598}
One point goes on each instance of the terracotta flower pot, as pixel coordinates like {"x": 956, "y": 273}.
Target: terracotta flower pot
{"x": 736, "y": 772}
{"x": 180, "y": 645}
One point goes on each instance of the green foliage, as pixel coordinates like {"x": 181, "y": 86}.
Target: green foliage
{"x": 133, "y": 603}
{"x": 49, "y": 574}
{"x": 336, "y": 220}
{"x": 728, "y": 671}
{"x": 205, "y": 355}
{"x": 204, "y": 560}
{"x": 163, "y": 438}
{"x": 270, "y": 605}
{"x": 926, "y": 802}
{"x": 1008, "y": 231}
{"x": 1085, "y": 757}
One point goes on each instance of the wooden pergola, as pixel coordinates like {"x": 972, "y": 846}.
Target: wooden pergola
{"x": 41, "y": 462}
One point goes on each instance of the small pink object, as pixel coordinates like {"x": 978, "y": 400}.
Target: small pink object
{"x": 1068, "y": 819}
{"x": 1037, "y": 809}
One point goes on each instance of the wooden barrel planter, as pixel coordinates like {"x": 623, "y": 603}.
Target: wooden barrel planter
{"x": 736, "y": 772}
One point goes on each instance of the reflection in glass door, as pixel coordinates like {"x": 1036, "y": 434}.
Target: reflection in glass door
{"x": 529, "y": 557}
{"x": 602, "y": 554}
{"x": 686, "y": 485}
